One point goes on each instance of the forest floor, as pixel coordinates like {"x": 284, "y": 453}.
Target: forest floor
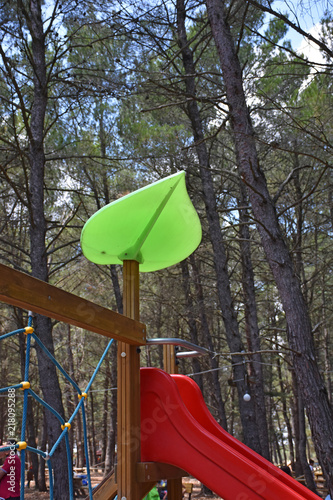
{"x": 31, "y": 494}
{"x": 96, "y": 477}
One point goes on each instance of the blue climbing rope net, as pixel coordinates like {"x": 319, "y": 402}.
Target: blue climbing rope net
{"x": 65, "y": 426}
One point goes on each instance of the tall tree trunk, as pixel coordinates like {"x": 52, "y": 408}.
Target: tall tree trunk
{"x": 105, "y": 413}
{"x": 284, "y": 393}
{"x": 112, "y": 417}
{"x": 116, "y": 288}
{"x": 47, "y": 371}
{"x": 191, "y": 319}
{"x": 111, "y": 422}
{"x": 209, "y": 342}
{"x": 214, "y": 376}
{"x": 309, "y": 379}
{"x": 277, "y": 449}
{"x": 280, "y": 433}
{"x": 110, "y": 454}
{"x": 299, "y": 269}
{"x": 309, "y": 479}
{"x": 251, "y": 324}
{"x": 327, "y": 342}
{"x": 93, "y": 433}
{"x": 31, "y": 436}
{"x": 71, "y": 391}
{"x": 296, "y": 412}
{"x": 43, "y": 443}
{"x": 247, "y": 410}
{"x": 80, "y": 451}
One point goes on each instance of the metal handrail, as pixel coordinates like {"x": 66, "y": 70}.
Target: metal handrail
{"x": 196, "y": 350}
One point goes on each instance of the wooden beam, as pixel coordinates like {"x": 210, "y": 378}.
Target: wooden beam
{"x": 169, "y": 359}
{"x": 24, "y": 291}
{"x": 174, "y": 486}
{"x": 107, "y": 489}
{"x": 128, "y": 395}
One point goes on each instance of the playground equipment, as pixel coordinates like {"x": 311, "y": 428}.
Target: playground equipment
{"x": 65, "y": 426}
{"x": 178, "y": 429}
{"x": 150, "y": 229}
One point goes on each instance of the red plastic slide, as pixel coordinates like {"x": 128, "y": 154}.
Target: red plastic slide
{"x": 177, "y": 428}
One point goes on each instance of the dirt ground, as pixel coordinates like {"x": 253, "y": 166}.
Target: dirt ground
{"x": 96, "y": 477}
{"x": 35, "y": 495}
{"x": 31, "y": 494}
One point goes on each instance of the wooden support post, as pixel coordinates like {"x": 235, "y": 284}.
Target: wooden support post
{"x": 170, "y": 366}
{"x": 128, "y": 440}
{"x": 169, "y": 359}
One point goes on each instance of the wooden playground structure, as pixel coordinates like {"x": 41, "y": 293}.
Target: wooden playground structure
{"x": 144, "y": 232}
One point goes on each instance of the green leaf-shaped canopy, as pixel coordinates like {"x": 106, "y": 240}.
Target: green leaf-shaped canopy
{"x": 156, "y": 226}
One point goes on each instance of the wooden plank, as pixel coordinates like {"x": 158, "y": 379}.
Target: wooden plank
{"x": 169, "y": 359}
{"x": 155, "y": 471}
{"x": 24, "y": 291}
{"x": 106, "y": 490}
{"x": 174, "y": 487}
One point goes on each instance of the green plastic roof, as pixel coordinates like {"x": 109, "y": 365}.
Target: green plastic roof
{"x": 156, "y": 225}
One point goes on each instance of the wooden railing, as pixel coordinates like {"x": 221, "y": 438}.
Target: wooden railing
{"x": 319, "y": 480}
